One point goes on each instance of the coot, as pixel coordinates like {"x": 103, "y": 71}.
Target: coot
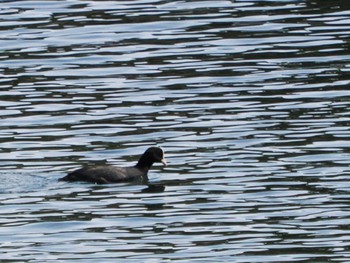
{"x": 112, "y": 174}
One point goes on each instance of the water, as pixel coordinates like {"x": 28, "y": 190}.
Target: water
{"x": 249, "y": 100}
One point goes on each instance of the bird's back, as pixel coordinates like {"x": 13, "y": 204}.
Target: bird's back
{"x": 105, "y": 174}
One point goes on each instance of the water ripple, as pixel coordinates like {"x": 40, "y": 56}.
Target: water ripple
{"x": 248, "y": 99}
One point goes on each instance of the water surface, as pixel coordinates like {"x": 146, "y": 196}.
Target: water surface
{"x": 249, "y": 100}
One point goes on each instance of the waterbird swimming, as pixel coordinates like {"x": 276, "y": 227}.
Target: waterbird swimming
{"x": 105, "y": 174}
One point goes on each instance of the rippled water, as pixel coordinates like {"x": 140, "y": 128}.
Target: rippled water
{"x": 249, "y": 99}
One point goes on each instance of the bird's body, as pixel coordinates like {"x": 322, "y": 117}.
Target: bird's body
{"x": 112, "y": 174}
{"x": 104, "y": 174}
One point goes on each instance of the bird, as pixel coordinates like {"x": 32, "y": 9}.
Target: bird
{"x": 105, "y": 174}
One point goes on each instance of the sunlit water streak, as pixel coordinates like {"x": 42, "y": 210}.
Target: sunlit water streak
{"x": 249, "y": 99}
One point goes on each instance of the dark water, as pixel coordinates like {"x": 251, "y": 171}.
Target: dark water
{"x": 249, "y": 99}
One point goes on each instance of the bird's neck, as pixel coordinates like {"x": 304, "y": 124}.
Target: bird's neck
{"x": 144, "y": 164}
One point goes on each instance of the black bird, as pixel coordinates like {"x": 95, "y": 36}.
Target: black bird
{"x": 105, "y": 174}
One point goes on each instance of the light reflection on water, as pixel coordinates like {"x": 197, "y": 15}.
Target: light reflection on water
{"x": 249, "y": 99}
